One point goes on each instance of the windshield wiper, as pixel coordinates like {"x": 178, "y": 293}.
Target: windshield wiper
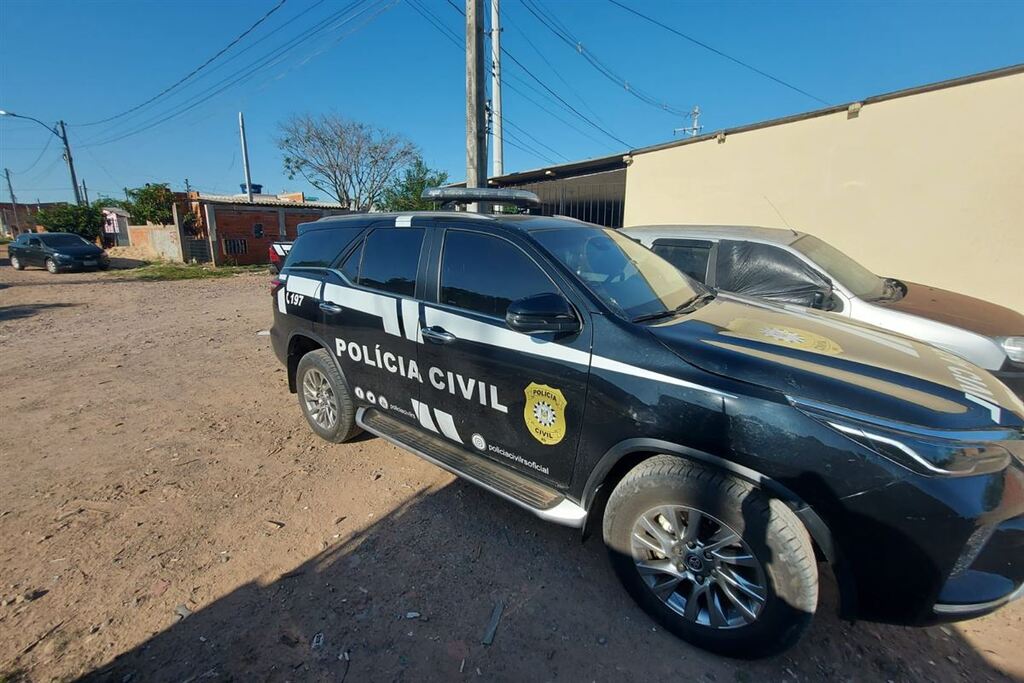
{"x": 685, "y": 307}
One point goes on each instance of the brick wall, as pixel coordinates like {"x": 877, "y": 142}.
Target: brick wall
{"x": 244, "y": 236}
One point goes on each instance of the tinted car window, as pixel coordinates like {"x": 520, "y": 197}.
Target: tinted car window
{"x": 62, "y": 240}
{"x": 351, "y": 265}
{"x": 390, "y": 259}
{"x": 485, "y": 274}
{"x": 689, "y": 257}
{"x": 319, "y": 248}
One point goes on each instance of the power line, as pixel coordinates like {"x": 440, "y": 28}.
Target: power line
{"x": 555, "y": 71}
{"x": 49, "y": 139}
{"x": 719, "y": 52}
{"x": 247, "y": 72}
{"x": 575, "y": 44}
{"x": 450, "y": 35}
{"x": 194, "y": 71}
{"x": 223, "y": 63}
{"x": 544, "y": 85}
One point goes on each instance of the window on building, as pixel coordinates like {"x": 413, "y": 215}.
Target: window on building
{"x": 689, "y": 256}
{"x": 320, "y": 248}
{"x": 236, "y": 246}
{"x": 485, "y": 274}
{"x": 390, "y": 260}
{"x": 257, "y": 231}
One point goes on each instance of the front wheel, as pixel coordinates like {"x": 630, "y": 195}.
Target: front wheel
{"x": 712, "y": 558}
{"x": 16, "y": 263}
{"x": 325, "y": 397}
{"x": 51, "y": 266}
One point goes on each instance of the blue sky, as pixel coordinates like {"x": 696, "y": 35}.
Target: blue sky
{"x": 86, "y": 61}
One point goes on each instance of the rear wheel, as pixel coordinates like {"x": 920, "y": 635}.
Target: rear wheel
{"x": 16, "y": 263}
{"x": 325, "y": 397}
{"x": 51, "y": 265}
{"x": 712, "y": 558}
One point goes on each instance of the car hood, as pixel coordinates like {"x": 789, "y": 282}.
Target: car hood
{"x": 78, "y": 250}
{"x": 944, "y": 306}
{"x": 821, "y": 357}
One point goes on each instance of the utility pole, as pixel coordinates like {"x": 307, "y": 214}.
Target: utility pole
{"x": 14, "y": 201}
{"x": 245, "y": 157}
{"x": 188, "y": 188}
{"x": 127, "y": 198}
{"x": 496, "y": 136}
{"x": 71, "y": 162}
{"x": 476, "y": 130}
{"x": 85, "y": 192}
{"x": 694, "y": 128}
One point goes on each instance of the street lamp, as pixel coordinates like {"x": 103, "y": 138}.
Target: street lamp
{"x": 61, "y": 132}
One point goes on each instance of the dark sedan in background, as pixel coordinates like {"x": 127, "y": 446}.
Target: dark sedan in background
{"x": 56, "y": 251}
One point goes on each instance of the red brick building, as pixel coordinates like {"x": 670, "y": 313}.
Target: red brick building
{"x": 230, "y": 230}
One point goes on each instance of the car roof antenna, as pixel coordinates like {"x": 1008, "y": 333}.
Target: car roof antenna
{"x": 781, "y": 217}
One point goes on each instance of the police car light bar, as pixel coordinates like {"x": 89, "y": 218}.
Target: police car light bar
{"x": 469, "y": 195}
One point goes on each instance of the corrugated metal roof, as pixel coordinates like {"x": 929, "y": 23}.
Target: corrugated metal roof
{"x": 266, "y": 200}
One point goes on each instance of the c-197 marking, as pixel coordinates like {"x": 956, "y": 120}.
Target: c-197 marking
{"x": 295, "y": 299}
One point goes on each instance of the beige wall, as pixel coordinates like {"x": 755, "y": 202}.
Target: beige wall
{"x": 928, "y": 188}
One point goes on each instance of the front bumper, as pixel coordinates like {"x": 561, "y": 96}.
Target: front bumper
{"x": 82, "y": 264}
{"x": 928, "y": 550}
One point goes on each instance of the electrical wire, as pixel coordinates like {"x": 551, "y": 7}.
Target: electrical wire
{"x": 231, "y": 58}
{"x": 554, "y": 94}
{"x": 719, "y": 52}
{"x": 247, "y": 72}
{"x": 577, "y": 46}
{"x": 194, "y": 71}
{"x": 49, "y": 139}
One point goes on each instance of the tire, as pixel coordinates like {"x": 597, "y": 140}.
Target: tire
{"x": 769, "y": 569}
{"x": 333, "y": 415}
{"x": 16, "y": 263}
{"x": 104, "y": 266}
{"x": 51, "y": 266}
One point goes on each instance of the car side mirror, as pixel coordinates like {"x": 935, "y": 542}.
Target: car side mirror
{"x": 542, "y": 313}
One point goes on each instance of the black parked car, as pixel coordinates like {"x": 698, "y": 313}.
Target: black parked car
{"x": 56, "y": 251}
{"x": 721, "y": 445}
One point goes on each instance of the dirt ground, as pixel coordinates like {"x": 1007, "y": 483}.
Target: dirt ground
{"x": 165, "y": 514}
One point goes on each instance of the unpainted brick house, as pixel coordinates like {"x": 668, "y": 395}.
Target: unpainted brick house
{"x": 230, "y": 230}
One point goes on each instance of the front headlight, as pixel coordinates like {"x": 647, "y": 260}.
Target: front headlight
{"x": 925, "y": 451}
{"x": 1014, "y": 348}
{"x": 64, "y": 257}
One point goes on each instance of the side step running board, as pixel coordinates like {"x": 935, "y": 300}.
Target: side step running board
{"x": 545, "y": 502}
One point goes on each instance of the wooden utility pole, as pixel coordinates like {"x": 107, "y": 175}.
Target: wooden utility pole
{"x": 498, "y": 151}
{"x": 62, "y": 133}
{"x": 476, "y": 129}
{"x": 245, "y": 157}
{"x": 14, "y": 201}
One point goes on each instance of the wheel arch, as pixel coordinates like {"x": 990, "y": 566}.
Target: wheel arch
{"x": 622, "y": 458}
{"x": 300, "y": 343}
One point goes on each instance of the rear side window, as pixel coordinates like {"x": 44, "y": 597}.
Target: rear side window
{"x": 767, "y": 272}
{"x": 485, "y": 274}
{"x": 390, "y": 258}
{"x": 689, "y": 256}
{"x": 319, "y": 248}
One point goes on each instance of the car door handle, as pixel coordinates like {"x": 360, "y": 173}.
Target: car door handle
{"x": 437, "y": 335}
{"x": 328, "y": 307}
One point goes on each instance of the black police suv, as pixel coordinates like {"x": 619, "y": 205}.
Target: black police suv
{"x": 723, "y": 446}
{"x": 56, "y": 251}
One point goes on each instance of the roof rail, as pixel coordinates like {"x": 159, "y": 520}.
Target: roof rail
{"x": 449, "y": 196}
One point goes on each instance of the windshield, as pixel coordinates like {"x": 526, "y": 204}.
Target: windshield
{"x": 861, "y": 282}
{"x": 628, "y": 277}
{"x": 62, "y": 240}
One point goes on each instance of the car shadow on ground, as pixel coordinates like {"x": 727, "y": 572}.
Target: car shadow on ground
{"x": 27, "y": 310}
{"x": 412, "y": 594}
{"x": 120, "y": 263}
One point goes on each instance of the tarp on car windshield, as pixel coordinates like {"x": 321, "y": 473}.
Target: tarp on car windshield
{"x": 767, "y": 272}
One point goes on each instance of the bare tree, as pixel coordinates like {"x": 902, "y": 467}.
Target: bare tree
{"x": 351, "y": 161}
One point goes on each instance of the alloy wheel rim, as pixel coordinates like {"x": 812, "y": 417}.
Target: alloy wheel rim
{"x": 698, "y": 566}
{"x": 14, "y": 261}
{"x": 321, "y": 402}
{"x": 51, "y": 266}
